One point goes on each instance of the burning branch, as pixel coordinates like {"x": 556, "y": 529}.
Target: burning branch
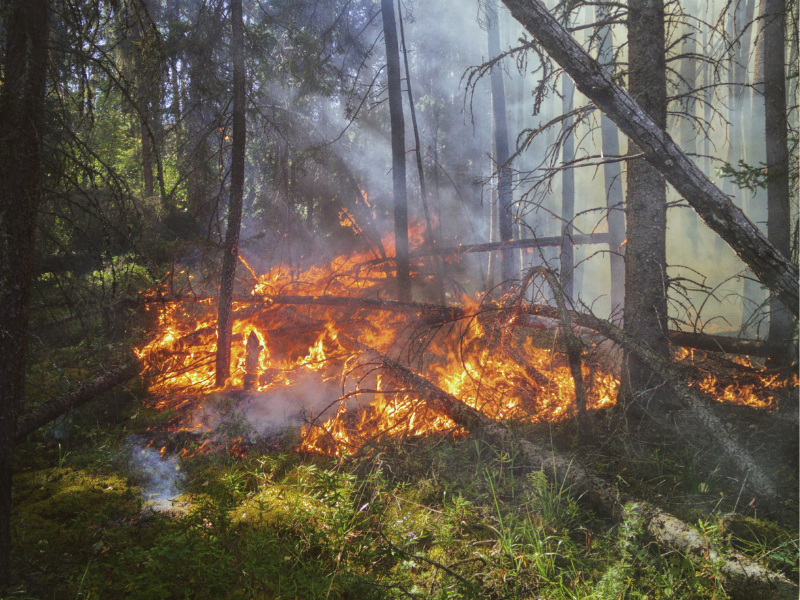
{"x": 536, "y": 318}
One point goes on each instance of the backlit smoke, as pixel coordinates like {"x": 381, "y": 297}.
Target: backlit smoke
{"x": 158, "y": 476}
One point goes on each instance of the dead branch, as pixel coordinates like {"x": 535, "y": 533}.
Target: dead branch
{"x": 49, "y": 411}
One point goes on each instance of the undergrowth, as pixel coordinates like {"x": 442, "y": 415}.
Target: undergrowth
{"x": 426, "y": 519}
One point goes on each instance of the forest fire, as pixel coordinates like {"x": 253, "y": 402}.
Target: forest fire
{"x": 307, "y": 362}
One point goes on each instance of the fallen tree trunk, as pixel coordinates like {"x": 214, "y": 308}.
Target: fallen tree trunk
{"x": 741, "y": 577}
{"x": 744, "y": 579}
{"x": 446, "y": 312}
{"x": 721, "y": 343}
{"x": 540, "y": 242}
{"x": 49, "y": 411}
{"x": 771, "y": 267}
{"x": 599, "y": 493}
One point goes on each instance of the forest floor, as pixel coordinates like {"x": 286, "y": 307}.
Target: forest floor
{"x": 109, "y": 503}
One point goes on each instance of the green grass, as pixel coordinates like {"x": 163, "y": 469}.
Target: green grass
{"x": 428, "y": 519}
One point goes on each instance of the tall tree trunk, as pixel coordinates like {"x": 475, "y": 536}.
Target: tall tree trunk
{"x": 423, "y": 192}
{"x": 688, "y": 132}
{"x": 645, "y": 316}
{"x": 771, "y": 266}
{"x": 755, "y": 205}
{"x": 231, "y": 247}
{"x": 509, "y": 267}
{"x": 567, "y": 190}
{"x": 398, "y": 151}
{"x": 708, "y": 99}
{"x": 21, "y": 126}
{"x": 612, "y": 174}
{"x": 779, "y": 217}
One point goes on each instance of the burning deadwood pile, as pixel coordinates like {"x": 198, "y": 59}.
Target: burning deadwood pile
{"x": 357, "y": 369}
{"x": 314, "y": 336}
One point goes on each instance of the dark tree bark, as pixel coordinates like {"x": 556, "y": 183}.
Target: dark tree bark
{"x": 509, "y": 268}
{"x": 612, "y": 174}
{"x": 398, "y": 151}
{"x": 772, "y": 267}
{"x": 779, "y": 216}
{"x": 24, "y": 68}
{"x": 231, "y": 248}
{"x": 645, "y": 315}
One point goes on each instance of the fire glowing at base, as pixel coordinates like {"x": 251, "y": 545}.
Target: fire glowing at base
{"x": 486, "y": 365}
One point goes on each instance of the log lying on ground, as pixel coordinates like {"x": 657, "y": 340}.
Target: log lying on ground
{"x": 685, "y": 339}
{"x": 600, "y": 494}
{"x": 721, "y": 343}
{"x": 445, "y": 312}
{"x": 49, "y": 411}
{"x": 744, "y": 579}
{"x": 771, "y": 267}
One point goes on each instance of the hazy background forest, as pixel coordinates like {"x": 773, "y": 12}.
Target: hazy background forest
{"x": 148, "y": 92}
{"x": 549, "y": 484}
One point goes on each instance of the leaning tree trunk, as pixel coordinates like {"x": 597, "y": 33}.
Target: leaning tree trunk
{"x": 645, "y": 315}
{"x": 231, "y": 248}
{"x": 21, "y": 125}
{"x": 61, "y": 405}
{"x": 773, "y": 268}
{"x": 779, "y": 217}
{"x": 612, "y": 173}
{"x": 398, "y": 151}
{"x": 509, "y": 266}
